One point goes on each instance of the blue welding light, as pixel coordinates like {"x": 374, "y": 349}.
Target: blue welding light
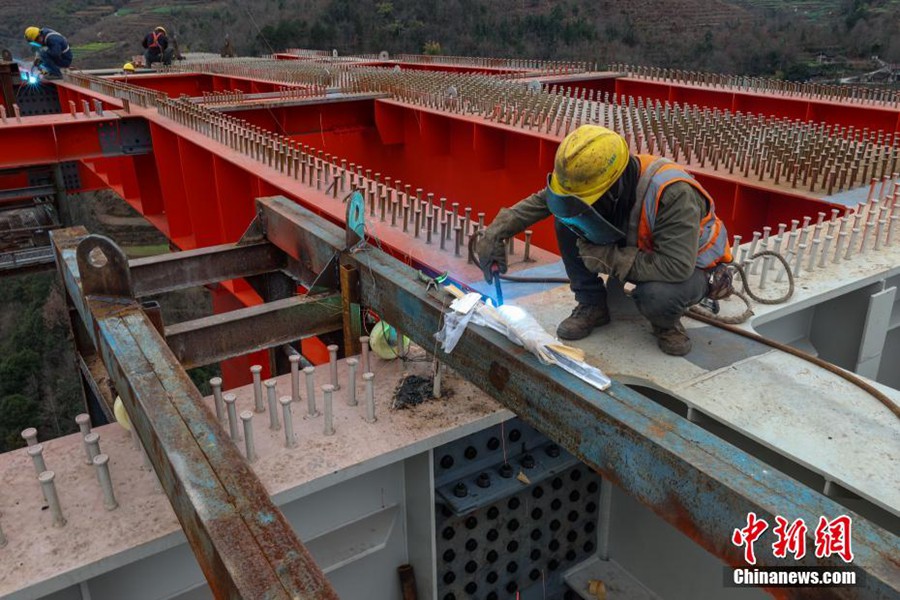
{"x": 32, "y": 80}
{"x": 23, "y": 75}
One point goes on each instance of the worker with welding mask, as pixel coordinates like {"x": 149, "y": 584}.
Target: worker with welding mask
{"x": 53, "y": 52}
{"x": 641, "y": 219}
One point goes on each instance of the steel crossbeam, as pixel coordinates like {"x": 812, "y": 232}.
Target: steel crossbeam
{"x": 219, "y": 337}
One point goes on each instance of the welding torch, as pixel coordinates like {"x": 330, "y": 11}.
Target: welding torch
{"x": 495, "y": 276}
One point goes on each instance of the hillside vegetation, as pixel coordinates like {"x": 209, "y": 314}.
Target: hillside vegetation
{"x": 740, "y": 36}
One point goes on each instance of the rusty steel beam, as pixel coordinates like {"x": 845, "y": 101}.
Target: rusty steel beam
{"x": 697, "y": 482}
{"x": 178, "y": 270}
{"x": 243, "y": 543}
{"x": 218, "y": 337}
{"x": 95, "y": 376}
{"x": 28, "y": 193}
{"x": 351, "y": 309}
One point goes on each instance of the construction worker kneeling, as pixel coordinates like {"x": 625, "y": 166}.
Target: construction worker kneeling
{"x": 53, "y": 51}
{"x": 641, "y": 219}
{"x": 156, "y": 48}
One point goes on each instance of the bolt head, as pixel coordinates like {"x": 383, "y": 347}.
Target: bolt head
{"x": 460, "y": 490}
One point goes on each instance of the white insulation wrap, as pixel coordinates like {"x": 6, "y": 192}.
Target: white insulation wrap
{"x": 520, "y": 327}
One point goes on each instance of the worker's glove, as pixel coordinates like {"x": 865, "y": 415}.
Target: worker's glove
{"x": 608, "y": 259}
{"x": 489, "y": 250}
{"x": 37, "y": 61}
{"x": 721, "y": 282}
{"x": 491, "y": 245}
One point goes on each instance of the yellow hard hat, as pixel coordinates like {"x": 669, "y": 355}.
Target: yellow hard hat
{"x": 31, "y": 33}
{"x": 588, "y": 162}
{"x": 162, "y": 29}
{"x": 128, "y": 67}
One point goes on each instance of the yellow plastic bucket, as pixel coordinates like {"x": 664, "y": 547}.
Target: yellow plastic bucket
{"x": 121, "y": 416}
{"x": 384, "y": 342}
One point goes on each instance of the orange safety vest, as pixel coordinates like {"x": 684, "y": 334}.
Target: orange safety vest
{"x": 712, "y": 247}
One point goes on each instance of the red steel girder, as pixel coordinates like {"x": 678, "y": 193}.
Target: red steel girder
{"x": 197, "y": 84}
{"x": 51, "y": 139}
{"x": 200, "y": 192}
{"x": 861, "y": 116}
{"x": 488, "y": 166}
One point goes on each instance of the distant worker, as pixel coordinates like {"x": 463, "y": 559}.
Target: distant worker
{"x": 228, "y": 49}
{"x": 156, "y": 44}
{"x": 128, "y": 69}
{"x": 641, "y": 219}
{"x": 53, "y": 52}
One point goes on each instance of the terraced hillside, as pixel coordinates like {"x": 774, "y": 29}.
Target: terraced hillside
{"x": 772, "y": 37}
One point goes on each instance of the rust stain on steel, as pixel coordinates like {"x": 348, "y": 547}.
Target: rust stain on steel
{"x": 715, "y": 482}
{"x": 245, "y": 546}
{"x": 217, "y": 337}
{"x": 498, "y": 375}
{"x": 167, "y": 272}
{"x": 658, "y": 430}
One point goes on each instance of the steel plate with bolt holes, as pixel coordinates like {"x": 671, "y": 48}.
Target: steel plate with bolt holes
{"x": 513, "y": 535}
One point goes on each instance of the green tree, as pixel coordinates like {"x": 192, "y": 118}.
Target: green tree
{"x": 17, "y": 412}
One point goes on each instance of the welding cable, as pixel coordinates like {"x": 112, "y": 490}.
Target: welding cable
{"x": 746, "y": 293}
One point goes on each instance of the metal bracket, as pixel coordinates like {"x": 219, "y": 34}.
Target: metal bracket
{"x": 103, "y": 268}
{"x": 255, "y": 232}
{"x": 125, "y": 136}
{"x": 355, "y": 219}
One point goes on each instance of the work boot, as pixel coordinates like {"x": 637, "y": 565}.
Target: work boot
{"x": 672, "y": 340}
{"x": 583, "y": 320}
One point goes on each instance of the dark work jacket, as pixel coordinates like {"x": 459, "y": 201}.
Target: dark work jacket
{"x": 57, "y": 46}
{"x": 161, "y": 40}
